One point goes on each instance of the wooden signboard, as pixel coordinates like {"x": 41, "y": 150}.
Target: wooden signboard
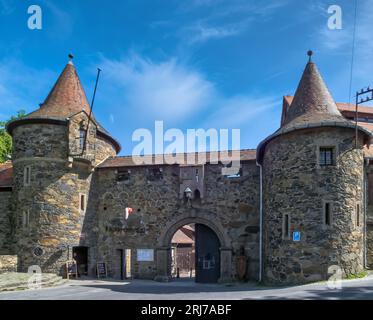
{"x": 71, "y": 269}
{"x": 101, "y": 270}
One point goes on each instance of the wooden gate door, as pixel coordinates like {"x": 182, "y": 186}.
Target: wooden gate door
{"x": 207, "y": 255}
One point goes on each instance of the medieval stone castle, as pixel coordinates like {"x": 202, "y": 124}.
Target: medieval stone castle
{"x": 301, "y": 203}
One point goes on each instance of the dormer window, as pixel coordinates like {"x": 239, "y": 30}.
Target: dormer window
{"x": 326, "y": 156}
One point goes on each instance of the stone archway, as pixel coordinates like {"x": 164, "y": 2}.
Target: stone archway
{"x": 163, "y": 250}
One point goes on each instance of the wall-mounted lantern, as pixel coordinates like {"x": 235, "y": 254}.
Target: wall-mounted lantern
{"x": 188, "y": 194}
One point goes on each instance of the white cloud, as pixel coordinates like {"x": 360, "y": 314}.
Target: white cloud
{"x": 204, "y": 33}
{"x": 145, "y": 91}
{"x": 164, "y": 90}
{"x": 234, "y": 112}
{"x": 226, "y": 18}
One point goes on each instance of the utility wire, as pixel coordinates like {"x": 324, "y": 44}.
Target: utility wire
{"x": 352, "y": 54}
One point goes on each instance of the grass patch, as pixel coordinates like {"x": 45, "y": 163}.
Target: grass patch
{"x": 359, "y": 275}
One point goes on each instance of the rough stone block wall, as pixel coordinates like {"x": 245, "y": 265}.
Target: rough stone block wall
{"x": 233, "y": 203}
{"x": 294, "y": 184}
{"x": 8, "y": 263}
{"x": 369, "y": 212}
{"x": 52, "y": 200}
{"x": 5, "y": 222}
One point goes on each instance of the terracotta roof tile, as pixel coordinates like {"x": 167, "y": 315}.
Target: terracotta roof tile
{"x": 184, "y": 235}
{"x": 312, "y": 101}
{"x": 66, "y": 98}
{"x": 342, "y": 106}
{"x": 6, "y": 174}
{"x": 311, "y": 107}
{"x": 128, "y": 161}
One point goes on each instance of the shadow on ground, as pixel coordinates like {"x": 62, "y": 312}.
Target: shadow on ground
{"x": 172, "y": 287}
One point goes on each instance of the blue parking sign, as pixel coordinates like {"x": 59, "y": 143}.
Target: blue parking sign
{"x": 296, "y": 236}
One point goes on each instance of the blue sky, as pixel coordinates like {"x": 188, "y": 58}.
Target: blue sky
{"x": 193, "y": 64}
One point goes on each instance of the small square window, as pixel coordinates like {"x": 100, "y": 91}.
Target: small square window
{"x": 326, "y": 156}
{"x": 123, "y": 175}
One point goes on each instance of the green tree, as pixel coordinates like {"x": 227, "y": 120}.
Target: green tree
{"x": 6, "y": 139}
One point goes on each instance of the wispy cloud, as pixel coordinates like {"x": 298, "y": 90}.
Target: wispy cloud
{"x": 200, "y": 33}
{"x": 236, "y": 111}
{"x": 173, "y": 92}
{"x": 226, "y": 18}
{"x": 167, "y": 89}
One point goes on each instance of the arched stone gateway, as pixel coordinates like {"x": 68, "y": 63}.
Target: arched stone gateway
{"x": 163, "y": 250}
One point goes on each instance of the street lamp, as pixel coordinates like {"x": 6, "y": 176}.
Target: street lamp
{"x": 188, "y": 194}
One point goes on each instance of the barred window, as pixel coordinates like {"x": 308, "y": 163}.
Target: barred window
{"x": 326, "y": 156}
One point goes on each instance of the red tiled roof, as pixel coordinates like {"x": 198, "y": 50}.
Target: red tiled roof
{"x": 6, "y": 174}
{"x": 184, "y": 235}
{"x": 128, "y": 161}
{"x": 312, "y": 101}
{"x": 66, "y": 98}
{"x": 342, "y": 106}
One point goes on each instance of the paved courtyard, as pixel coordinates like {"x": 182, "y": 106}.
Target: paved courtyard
{"x": 186, "y": 290}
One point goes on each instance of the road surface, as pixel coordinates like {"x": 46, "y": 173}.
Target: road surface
{"x": 188, "y": 290}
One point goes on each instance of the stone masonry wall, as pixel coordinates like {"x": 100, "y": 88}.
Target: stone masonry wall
{"x": 233, "y": 203}
{"x": 52, "y": 201}
{"x": 369, "y": 217}
{"x": 8, "y": 263}
{"x": 295, "y": 184}
{"x": 5, "y": 222}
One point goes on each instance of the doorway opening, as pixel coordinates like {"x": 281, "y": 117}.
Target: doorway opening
{"x": 183, "y": 252}
{"x": 195, "y": 254}
{"x": 128, "y": 265}
{"x": 80, "y": 255}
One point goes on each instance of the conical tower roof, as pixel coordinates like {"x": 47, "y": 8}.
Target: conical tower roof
{"x": 312, "y": 100}
{"x": 312, "y": 107}
{"x": 66, "y": 98}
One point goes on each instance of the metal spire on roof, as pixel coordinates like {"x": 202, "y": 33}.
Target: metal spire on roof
{"x": 71, "y": 57}
{"x": 309, "y": 54}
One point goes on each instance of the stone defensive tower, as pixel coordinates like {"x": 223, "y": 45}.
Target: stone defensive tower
{"x": 313, "y": 183}
{"x": 55, "y": 151}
